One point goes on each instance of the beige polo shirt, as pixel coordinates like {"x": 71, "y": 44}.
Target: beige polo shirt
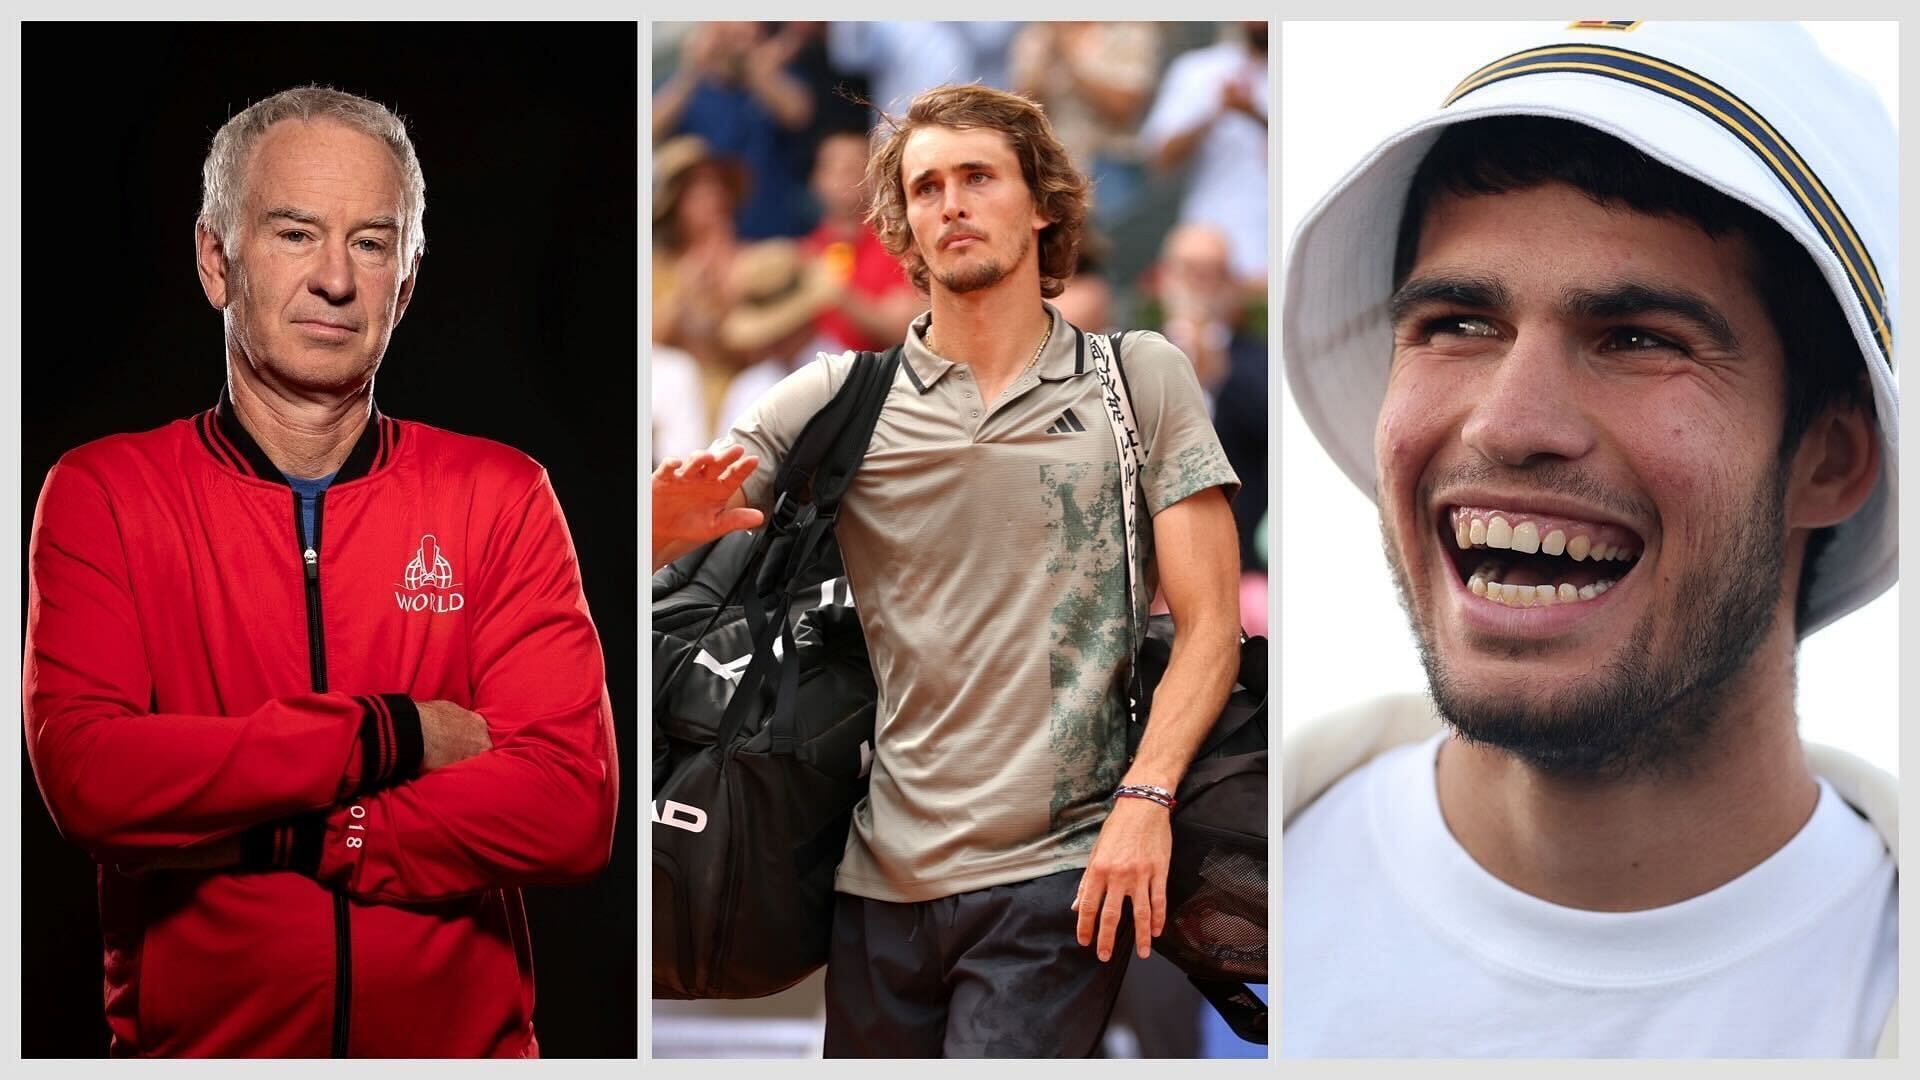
{"x": 984, "y": 547}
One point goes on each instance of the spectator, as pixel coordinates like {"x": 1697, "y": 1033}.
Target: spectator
{"x": 779, "y": 295}
{"x": 678, "y": 424}
{"x": 1093, "y": 78}
{"x": 1088, "y": 301}
{"x": 1206, "y": 316}
{"x": 878, "y": 302}
{"x": 904, "y": 58}
{"x": 839, "y": 96}
{"x": 734, "y": 88}
{"x": 772, "y": 298}
{"x": 1212, "y": 112}
{"x": 694, "y": 196}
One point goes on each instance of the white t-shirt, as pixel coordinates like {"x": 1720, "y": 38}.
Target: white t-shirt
{"x": 1227, "y": 186}
{"x": 1398, "y": 944}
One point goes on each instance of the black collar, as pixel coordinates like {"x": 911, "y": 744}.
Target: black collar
{"x": 229, "y": 442}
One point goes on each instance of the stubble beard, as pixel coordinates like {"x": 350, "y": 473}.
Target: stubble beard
{"x": 1638, "y": 713}
{"x": 986, "y": 273}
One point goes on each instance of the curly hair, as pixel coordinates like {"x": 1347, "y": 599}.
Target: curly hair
{"x": 1060, "y": 191}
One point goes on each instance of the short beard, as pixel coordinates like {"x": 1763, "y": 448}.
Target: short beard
{"x": 985, "y": 274}
{"x": 1640, "y": 714}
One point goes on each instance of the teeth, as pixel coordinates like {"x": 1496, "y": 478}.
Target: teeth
{"x": 1526, "y": 538}
{"x": 1463, "y": 534}
{"x": 1480, "y": 584}
{"x": 1554, "y": 543}
{"x": 1578, "y": 547}
{"x": 1499, "y": 533}
{"x": 1477, "y": 532}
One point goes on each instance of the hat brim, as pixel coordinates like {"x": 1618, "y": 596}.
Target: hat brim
{"x": 1337, "y": 341}
{"x": 732, "y": 173}
{"x": 749, "y": 329}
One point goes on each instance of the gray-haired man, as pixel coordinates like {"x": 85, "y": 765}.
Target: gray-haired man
{"x": 316, "y": 687}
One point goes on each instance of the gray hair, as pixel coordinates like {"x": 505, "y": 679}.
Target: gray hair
{"x": 223, "y": 176}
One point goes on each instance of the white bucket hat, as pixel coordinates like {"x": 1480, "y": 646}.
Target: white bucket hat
{"x": 1753, "y": 110}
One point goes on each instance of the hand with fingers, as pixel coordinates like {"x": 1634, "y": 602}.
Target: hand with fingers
{"x": 699, "y": 499}
{"x": 1129, "y": 862}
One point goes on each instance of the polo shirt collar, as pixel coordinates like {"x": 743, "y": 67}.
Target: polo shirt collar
{"x": 1065, "y": 356}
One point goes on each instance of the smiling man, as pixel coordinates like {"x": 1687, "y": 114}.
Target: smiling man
{"x": 981, "y": 897}
{"x": 1620, "y": 381}
{"x": 316, "y": 687}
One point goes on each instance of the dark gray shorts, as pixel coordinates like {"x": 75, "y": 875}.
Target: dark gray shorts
{"x": 991, "y": 973}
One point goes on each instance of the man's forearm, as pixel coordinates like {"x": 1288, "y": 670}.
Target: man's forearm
{"x": 783, "y": 96}
{"x": 1199, "y": 676}
{"x": 120, "y": 784}
{"x": 1176, "y": 150}
{"x": 670, "y": 101}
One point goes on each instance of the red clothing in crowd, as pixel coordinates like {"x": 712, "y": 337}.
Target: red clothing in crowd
{"x": 874, "y": 274}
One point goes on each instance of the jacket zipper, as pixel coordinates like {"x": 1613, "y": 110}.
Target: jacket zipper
{"x": 317, "y": 662}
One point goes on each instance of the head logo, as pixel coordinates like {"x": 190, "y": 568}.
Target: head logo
{"x": 427, "y": 580}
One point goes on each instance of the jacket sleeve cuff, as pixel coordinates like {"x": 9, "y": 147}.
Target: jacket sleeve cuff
{"x": 390, "y": 742}
{"x": 290, "y": 844}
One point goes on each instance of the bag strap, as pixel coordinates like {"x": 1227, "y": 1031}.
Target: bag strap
{"x": 813, "y": 478}
{"x": 1112, "y": 375}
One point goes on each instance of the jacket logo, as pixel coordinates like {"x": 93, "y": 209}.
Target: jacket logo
{"x": 428, "y": 581}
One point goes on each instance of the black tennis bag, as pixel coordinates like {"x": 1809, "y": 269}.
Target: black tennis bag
{"x": 1216, "y": 930}
{"x": 751, "y": 811}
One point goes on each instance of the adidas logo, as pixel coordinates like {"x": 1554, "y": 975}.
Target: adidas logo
{"x": 1067, "y": 424}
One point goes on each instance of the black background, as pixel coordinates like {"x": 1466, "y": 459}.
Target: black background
{"x": 522, "y": 329}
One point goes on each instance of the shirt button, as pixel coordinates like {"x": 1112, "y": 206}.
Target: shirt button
{"x": 976, "y": 412}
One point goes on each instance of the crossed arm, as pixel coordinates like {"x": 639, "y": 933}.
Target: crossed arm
{"x": 447, "y": 803}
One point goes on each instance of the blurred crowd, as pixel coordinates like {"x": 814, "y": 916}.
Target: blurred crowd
{"x": 762, "y": 256}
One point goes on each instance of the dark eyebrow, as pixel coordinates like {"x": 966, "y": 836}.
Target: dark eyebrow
{"x": 1471, "y": 292}
{"x": 965, "y": 166}
{"x": 1633, "y": 298}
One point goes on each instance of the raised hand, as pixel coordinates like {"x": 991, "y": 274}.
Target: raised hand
{"x": 699, "y": 499}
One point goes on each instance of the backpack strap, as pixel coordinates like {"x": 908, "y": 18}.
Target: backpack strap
{"x": 813, "y": 478}
{"x": 814, "y": 475}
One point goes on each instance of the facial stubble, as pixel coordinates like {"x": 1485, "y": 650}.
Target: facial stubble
{"x": 1638, "y": 712}
{"x": 986, "y": 273}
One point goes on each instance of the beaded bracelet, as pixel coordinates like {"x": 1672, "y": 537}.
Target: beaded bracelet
{"x": 1148, "y": 792}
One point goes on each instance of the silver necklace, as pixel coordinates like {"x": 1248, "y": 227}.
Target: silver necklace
{"x": 1048, "y": 336}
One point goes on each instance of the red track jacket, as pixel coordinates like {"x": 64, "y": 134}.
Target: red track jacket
{"x": 194, "y": 672}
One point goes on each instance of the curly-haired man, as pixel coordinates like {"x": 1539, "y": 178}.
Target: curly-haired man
{"x": 984, "y": 538}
